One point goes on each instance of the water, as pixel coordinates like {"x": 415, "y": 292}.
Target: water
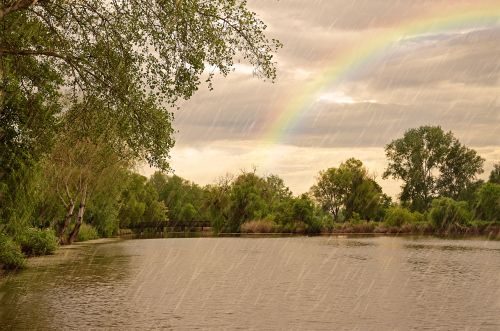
{"x": 375, "y": 283}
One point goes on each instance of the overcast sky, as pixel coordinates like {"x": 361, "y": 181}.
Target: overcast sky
{"x": 447, "y": 77}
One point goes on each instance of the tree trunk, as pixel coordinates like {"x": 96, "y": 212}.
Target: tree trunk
{"x": 81, "y": 211}
{"x": 67, "y": 219}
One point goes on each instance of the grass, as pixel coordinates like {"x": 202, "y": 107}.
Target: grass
{"x": 258, "y": 226}
{"x": 36, "y": 242}
{"x": 87, "y": 232}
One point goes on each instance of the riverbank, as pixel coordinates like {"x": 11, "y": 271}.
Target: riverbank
{"x": 484, "y": 230}
{"x": 490, "y": 230}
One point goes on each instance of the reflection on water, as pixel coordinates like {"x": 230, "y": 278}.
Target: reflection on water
{"x": 261, "y": 283}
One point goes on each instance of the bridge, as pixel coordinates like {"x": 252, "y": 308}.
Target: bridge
{"x": 170, "y": 225}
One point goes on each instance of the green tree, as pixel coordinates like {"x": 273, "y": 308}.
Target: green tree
{"x": 188, "y": 213}
{"x": 246, "y": 200}
{"x": 140, "y": 203}
{"x": 431, "y": 163}
{"x": 134, "y": 58}
{"x": 331, "y": 190}
{"x": 495, "y": 174}
{"x": 348, "y": 188}
{"x": 177, "y": 192}
{"x": 449, "y": 215}
{"x": 216, "y": 201}
{"x": 488, "y": 202}
{"x": 303, "y": 209}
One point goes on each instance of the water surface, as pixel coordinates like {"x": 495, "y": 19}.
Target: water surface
{"x": 374, "y": 283}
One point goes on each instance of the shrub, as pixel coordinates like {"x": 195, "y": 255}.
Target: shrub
{"x": 315, "y": 226}
{"x": 11, "y": 256}
{"x": 87, "y": 232}
{"x": 354, "y": 227}
{"x": 258, "y": 226}
{"x": 36, "y": 242}
{"x": 449, "y": 215}
{"x": 488, "y": 202}
{"x": 397, "y": 216}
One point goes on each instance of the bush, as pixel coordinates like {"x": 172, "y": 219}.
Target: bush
{"x": 11, "y": 256}
{"x": 258, "y": 226}
{"x": 36, "y": 242}
{"x": 354, "y": 227}
{"x": 315, "y": 226}
{"x": 397, "y": 216}
{"x": 449, "y": 215}
{"x": 488, "y": 202}
{"x": 87, "y": 232}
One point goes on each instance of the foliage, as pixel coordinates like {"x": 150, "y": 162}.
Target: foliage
{"x": 216, "y": 201}
{"x": 86, "y": 90}
{"x": 259, "y": 226}
{"x": 87, "y": 232}
{"x": 28, "y": 103}
{"x": 140, "y": 203}
{"x": 11, "y": 256}
{"x": 348, "y": 188}
{"x": 447, "y": 214}
{"x": 188, "y": 213}
{"x": 495, "y": 174}
{"x": 397, "y": 216}
{"x": 105, "y": 202}
{"x": 488, "y": 202}
{"x": 246, "y": 200}
{"x": 431, "y": 163}
{"x": 354, "y": 227}
{"x": 330, "y": 190}
{"x": 35, "y": 242}
{"x": 142, "y": 56}
{"x": 176, "y": 193}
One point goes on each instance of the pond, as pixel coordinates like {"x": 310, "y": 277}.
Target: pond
{"x": 334, "y": 282}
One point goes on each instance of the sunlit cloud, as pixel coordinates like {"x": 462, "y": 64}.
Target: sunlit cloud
{"x": 448, "y": 78}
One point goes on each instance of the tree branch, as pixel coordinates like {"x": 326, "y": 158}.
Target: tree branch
{"x": 15, "y": 6}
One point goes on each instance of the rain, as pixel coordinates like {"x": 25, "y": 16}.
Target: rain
{"x": 283, "y": 205}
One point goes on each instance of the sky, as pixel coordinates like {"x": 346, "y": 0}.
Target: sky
{"x": 448, "y": 77}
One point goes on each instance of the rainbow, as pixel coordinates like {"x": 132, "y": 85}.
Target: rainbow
{"x": 356, "y": 58}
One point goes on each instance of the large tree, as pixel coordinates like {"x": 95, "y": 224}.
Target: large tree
{"x": 348, "y": 188}
{"x": 431, "y": 163}
{"x": 495, "y": 174}
{"x": 134, "y": 57}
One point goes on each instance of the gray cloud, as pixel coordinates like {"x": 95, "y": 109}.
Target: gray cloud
{"x": 449, "y": 79}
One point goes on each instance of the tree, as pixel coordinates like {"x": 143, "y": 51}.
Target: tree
{"x": 495, "y": 174}
{"x": 176, "y": 192}
{"x": 348, "y": 188}
{"x": 303, "y": 209}
{"x": 431, "y": 163}
{"x": 140, "y": 203}
{"x": 488, "y": 202}
{"x": 448, "y": 215}
{"x": 133, "y": 58}
{"x": 216, "y": 201}
{"x": 364, "y": 195}
{"x": 330, "y": 190}
{"x": 246, "y": 200}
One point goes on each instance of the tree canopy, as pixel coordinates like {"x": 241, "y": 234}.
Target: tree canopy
{"x": 130, "y": 59}
{"x": 431, "y": 163}
{"x": 348, "y": 188}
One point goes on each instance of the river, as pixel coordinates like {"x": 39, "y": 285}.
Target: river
{"x": 294, "y": 283}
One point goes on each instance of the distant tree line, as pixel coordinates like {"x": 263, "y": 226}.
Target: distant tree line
{"x": 439, "y": 193}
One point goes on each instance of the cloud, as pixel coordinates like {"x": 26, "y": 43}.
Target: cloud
{"x": 449, "y": 79}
